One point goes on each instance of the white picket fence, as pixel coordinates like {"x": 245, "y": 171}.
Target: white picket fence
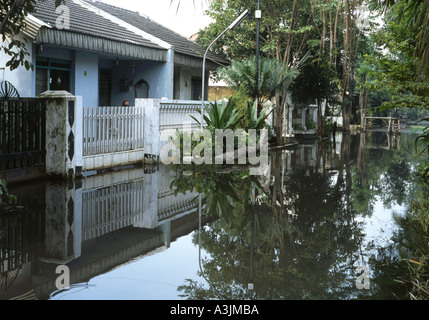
{"x": 116, "y": 136}
{"x": 174, "y": 114}
{"x": 112, "y": 129}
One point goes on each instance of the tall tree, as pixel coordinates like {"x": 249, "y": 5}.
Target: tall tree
{"x": 283, "y": 34}
{"x": 400, "y": 60}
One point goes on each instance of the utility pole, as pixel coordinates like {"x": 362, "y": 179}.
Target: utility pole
{"x": 258, "y": 16}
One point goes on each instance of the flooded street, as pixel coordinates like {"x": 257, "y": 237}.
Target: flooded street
{"x": 320, "y": 224}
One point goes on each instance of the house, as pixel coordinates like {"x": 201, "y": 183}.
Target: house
{"x": 107, "y": 55}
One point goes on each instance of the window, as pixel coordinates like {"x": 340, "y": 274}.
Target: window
{"x": 52, "y": 74}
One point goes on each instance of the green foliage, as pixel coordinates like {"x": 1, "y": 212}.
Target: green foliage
{"x": 315, "y": 81}
{"x": 5, "y": 197}
{"x": 297, "y": 127}
{"x": 413, "y": 244}
{"x": 281, "y": 28}
{"x": 12, "y": 18}
{"x": 399, "y": 64}
{"x": 221, "y": 191}
{"x": 273, "y": 76}
{"x": 310, "y": 124}
{"x": 253, "y": 121}
{"x": 395, "y": 63}
{"x": 423, "y": 169}
{"x": 240, "y": 42}
{"x": 221, "y": 115}
{"x": 422, "y": 141}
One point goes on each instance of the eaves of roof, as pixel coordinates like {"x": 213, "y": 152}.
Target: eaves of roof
{"x": 70, "y": 39}
{"x": 181, "y": 44}
{"x": 88, "y": 23}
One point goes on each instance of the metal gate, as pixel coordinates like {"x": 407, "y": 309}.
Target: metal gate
{"x": 22, "y": 139}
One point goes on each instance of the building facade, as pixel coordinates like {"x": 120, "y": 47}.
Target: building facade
{"x": 107, "y": 55}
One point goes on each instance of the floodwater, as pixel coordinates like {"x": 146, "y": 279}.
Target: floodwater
{"x": 320, "y": 224}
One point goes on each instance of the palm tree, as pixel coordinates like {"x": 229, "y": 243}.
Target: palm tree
{"x": 273, "y": 75}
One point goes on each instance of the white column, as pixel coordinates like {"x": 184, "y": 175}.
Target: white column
{"x": 315, "y": 110}
{"x": 149, "y": 219}
{"x": 290, "y": 121}
{"x": 151, "y": 125}
{"x": 303, "y": 115}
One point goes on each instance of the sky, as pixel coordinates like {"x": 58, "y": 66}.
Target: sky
{"x": 187, "y": 19}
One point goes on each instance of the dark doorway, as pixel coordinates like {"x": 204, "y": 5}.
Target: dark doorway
{"x": 105, "y": 87}
{"x": 196, "y": 90}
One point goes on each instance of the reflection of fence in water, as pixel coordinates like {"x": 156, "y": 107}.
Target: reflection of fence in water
{"x": 170, "y": 204}
{"x": 386, "y": 141}
{"x": 111, "y": 208}
{"x": 21, "y": 234}
{"x": 119, "y": 206}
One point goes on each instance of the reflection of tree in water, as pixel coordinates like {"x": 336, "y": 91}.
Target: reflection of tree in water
{"x": 309, "y": 255}
{"x": 382, "y": 173}
{"x": 327, "y": 235}
{"x": 386, "y": 174}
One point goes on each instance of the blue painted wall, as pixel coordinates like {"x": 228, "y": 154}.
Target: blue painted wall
{"x": 86, "y": 78}
{"x": 159, "y": 75}
{"x": 85, "y": 75}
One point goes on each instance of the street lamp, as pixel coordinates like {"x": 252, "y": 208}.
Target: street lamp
{"x": 230, "y": 27}
{"x": 258, "y": 16}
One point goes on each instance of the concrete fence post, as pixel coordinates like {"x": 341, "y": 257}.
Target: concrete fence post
{"x": 63, "y": 133}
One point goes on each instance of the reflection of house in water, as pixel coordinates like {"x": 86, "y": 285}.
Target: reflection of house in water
{"x": 92, "y": 226}
{"x": 310, "y": 157}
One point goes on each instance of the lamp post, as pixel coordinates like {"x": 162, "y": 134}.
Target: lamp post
{"x": 258, "y": 16}
{"x": 230, "y": 27}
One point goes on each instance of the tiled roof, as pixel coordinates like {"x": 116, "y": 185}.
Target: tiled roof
{"x": 181, "y": 44}
{"x": 84, "y": 21}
